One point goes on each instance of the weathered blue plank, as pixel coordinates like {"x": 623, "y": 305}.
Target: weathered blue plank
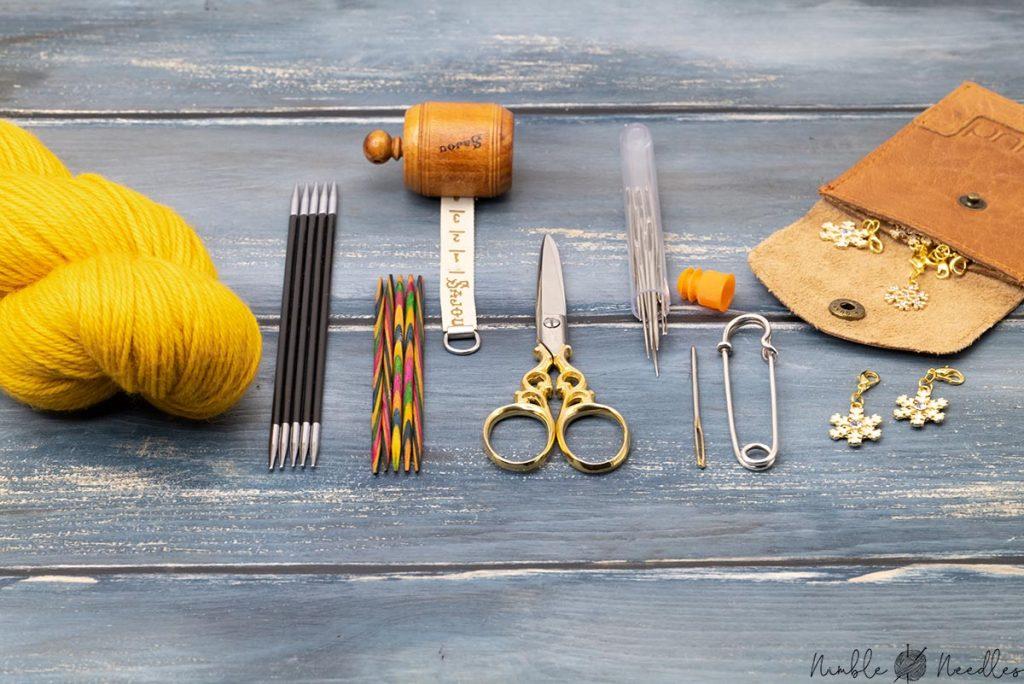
{"x": 726, "y": 183}
{"x": 125, "y": 484}
{"x": 187, "y": 55}
{"x": 707, "y": 625}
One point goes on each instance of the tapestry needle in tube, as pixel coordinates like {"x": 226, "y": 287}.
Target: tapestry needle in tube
{"x": 644, "y": 239}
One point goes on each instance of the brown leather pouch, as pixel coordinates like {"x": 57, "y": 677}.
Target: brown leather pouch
{"x": 954, "y": 175}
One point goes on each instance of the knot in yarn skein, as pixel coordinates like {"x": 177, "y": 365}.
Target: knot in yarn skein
{"x": 103, "y": 290}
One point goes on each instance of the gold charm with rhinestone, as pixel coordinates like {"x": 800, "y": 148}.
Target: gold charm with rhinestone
{"x": 849, "y": 234}
{"x": 909, "y": 297}
{"x": 925, "y": 254}
{"x": 945, "y": 261}
{"x": 906, "y": 298}
{"x": 855, "y": 427}
{"x": 922, "y": 408}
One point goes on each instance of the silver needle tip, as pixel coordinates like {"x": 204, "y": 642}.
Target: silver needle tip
{"x": 283, "y": 448}
{"x": 314, "y": 199}
{"x": 294, "y": 451}
{"x": 322, "y": 206}
{"x": 304, "y": 445}
{"x": 314, "y": 445}
{"x": 275, "y": 440}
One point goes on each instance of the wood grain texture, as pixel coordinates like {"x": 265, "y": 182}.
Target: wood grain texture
{"x": 135, "y": 546}
{"x": 727, "y": 625}
{"x": 451, "y": 149}
{"x": 227, "y": 56}
{"x": 726, "y": 183}
{"x": 125, "y": 484}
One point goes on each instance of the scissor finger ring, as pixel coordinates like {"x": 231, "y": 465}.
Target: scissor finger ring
{"x": 528, "y": 410}
{"x": 570, "y": 414}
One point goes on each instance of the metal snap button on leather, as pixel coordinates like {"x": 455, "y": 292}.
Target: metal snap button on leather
{"x": 973, "y": 201}
{"x": 847, "y": 309}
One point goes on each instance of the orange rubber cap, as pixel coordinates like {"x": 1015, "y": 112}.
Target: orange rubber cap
{"x": 712, "y": 289}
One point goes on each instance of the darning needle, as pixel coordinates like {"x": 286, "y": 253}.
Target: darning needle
{"x": 654, "y": 357}
{"x": 698, "y": 430}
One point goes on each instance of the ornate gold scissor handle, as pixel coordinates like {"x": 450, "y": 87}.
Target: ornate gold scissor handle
{"x": 531, "y": 401}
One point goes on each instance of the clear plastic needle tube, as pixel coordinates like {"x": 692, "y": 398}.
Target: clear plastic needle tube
{"x": 649, "y": 293}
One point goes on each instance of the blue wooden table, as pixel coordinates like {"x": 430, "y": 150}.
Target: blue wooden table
{"x": 134, "y": 546}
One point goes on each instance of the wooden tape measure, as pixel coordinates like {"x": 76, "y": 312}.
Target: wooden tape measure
{"x": 457, "y": 151}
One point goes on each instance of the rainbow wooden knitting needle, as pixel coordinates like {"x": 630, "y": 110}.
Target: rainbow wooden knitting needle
{"x": 378, "y": 407}
{"x": 408, "y": 435}
{"x": 398, "y": 368}
{"x": 389, "y": 333}
{"x": 419, "y": 333}
{"x": 282, "y": 337}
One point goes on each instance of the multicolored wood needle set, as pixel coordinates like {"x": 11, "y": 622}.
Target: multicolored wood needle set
{"x": 396, "y": 418}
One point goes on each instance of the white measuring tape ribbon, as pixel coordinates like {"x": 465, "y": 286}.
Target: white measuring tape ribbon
{"x": 458, "y": 305}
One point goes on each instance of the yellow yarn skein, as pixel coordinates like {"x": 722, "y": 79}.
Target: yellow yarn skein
{"x": 102, "y": 289}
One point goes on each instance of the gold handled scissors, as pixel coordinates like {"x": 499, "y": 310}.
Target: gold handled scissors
{"x": 553, "y": 353}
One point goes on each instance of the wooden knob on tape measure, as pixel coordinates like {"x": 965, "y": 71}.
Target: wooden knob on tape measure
{"x": 450, "y": 149}
{"x": 380, "y": 147}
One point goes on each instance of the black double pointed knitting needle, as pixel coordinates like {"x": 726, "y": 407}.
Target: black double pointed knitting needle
{"x": 325, "y": 310}
{"x": 282, "y": 345}
{"x": 315, "y": 276}
{"x": 291, "y": 334}
{"x": 304, "y": 311}
{"x": 317, "y": 219}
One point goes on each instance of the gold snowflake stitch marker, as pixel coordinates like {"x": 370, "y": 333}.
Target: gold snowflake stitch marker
{"x": 843, "y": 235}
{"x": 855, "y": 427}
{"x": 848, "y": 234}
{"x": 908, "y": 298}
{"x": 922, "y": 408}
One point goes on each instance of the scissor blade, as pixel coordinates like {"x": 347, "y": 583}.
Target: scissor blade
{"x": 551, "y": 308}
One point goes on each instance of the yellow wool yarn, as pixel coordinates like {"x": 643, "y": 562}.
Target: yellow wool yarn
{"x": 102, "y": 289}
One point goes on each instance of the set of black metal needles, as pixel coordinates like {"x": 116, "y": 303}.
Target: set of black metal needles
{"x": 302, "y": 343}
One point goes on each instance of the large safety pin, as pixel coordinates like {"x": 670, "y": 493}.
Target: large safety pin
{"x": 768, "y": 353}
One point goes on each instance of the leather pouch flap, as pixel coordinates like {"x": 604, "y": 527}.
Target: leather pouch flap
{"x": 969, "y": 143}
